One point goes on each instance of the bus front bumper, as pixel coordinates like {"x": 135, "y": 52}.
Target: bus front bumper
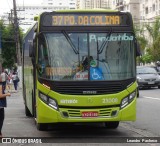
{"x": 72, "y": 115}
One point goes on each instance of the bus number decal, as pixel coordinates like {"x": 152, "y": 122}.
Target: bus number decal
{"x": 109, "y": 100}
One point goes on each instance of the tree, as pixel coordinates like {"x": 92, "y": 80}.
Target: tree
{"x": 8, "y": 45}
{"x": 146, "y": 58}
{"x": 154, "y": 47}
{"x": 139, "y": 32}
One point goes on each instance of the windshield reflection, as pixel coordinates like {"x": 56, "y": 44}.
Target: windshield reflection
{"x": 86, "y": 56}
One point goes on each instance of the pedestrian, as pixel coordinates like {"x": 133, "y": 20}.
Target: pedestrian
{"x": 4, "y": 78}
{"x": 15, "y": 80}
{"x": 3, "y": 104}
{"x": 7, "y": 81}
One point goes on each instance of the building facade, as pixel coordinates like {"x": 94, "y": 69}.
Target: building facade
{"x": 149, "y": 10}
{"x": 71, "y": 4}
{"x": 141, "y": 10}
{"x": 26, "y": 14}
{"x": 132, "y": 6}
{"x": 91, "y": 4}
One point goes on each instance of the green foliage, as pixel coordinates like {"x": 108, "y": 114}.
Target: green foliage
{"x": 146, "y": 58}
{"x": 139, "y": 32}
{"x": 154, "y": 47}
{"x": 8, "y": 45}
{"x": 149, "y": 43}
{"x": 143, "y": 43}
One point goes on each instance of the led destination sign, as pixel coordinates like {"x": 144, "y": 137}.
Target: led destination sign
{"x": 85, "y": 20}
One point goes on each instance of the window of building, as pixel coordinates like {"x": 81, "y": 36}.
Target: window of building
{"x": 153, "y": 7}
{"x": 146, "y": 10}
{"x": 72, "y": 3}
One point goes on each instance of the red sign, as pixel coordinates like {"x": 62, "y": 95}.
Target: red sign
{"x": 89, "y": 114}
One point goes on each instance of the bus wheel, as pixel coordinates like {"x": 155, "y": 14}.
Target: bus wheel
{"x": 42, "y": 126}
{"x": 158, "y": 86}
{"x": 27, "y": 112}
{"x": 112, "y": 125}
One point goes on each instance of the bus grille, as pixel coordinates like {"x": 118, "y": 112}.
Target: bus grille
{"x": 80, "y": 89}
{"x": 76, "y": 113}
{"x": 88, "y": 87}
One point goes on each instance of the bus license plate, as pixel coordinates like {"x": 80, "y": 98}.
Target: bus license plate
{"x": 89, "y": 114}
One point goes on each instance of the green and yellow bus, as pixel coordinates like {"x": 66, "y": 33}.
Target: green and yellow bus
{"x": 80, "y": 66}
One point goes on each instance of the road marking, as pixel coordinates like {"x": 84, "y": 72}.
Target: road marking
{"x": 151, "y": 98}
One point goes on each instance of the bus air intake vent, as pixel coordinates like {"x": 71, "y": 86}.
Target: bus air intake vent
{"x": 88, "y": 87}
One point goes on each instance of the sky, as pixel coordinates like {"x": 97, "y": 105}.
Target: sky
{"x": 7, "y": 5}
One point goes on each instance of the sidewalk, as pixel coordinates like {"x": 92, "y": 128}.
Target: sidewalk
{"x": 13, "y": 114}
{"x": 10, "y": 88}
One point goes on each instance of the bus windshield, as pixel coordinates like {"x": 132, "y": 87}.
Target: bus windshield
{"x": 70, "y": 56}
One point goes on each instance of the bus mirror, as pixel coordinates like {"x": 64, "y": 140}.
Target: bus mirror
{"x": 39, "y": 68}
{"x": 138, "y": 50}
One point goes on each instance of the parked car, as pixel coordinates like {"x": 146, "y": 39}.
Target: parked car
{"x": 147, "y": 77}
{"x": 157, "y": 69}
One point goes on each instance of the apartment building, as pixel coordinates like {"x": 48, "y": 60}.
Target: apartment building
{"x": 26, "y": 13}
{"x": 149, "y": 10}
{"x": 132, "y": 6}
{"x": 71, "y": 4}
{"x": 91, "y": 4}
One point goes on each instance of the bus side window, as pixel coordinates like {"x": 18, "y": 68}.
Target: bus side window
{"x": 31, "y": 50}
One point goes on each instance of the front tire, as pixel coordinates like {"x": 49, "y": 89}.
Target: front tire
{"x": 112, "y": 125}
{"x": 158, "y": 86}
{"x": 27, "y": 112}
{"x": 137, "y": 92}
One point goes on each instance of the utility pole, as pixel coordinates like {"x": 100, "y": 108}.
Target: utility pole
{"x": 17, "y": 35}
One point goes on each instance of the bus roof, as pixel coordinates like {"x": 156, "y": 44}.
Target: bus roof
{"x": 88, "y": 10}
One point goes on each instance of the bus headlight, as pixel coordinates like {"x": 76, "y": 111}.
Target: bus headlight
{"x": 132, "y": 95}
{"x": 48, "y": 100}
{"x": 52, "y": 103}
{"x": 124, "y": 102}
{"x": 128, "y": 99}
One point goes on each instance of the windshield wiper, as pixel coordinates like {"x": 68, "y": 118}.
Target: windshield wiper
{"x": 70, "y": 42}
{"x": 105, "y": 42}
